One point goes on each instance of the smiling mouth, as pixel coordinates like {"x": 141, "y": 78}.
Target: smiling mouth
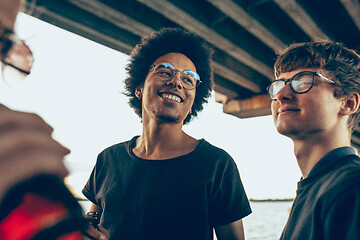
{"x": 288, "y": 111}
{"x": 171, "y": 97}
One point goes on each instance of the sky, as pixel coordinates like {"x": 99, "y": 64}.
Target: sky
{"x": 76, "y": 85}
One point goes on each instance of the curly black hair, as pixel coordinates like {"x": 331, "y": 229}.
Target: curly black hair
{"x": 160, "y": 43}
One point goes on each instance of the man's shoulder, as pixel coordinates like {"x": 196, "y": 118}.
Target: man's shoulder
{"x": 117, "y": 147}
{"x": 342, "y": 179}
{"x": 347, "y": 170}
{"x": 211, "y": 149}
{"x": 211, "y": 153}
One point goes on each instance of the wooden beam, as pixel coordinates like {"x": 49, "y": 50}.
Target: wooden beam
{"x": 187, "y": 21}
{"x": 355, "y": 139}
{"x": 117, "y": 18}
{"x": 355, "y": 142}
{"x": 221, "y": 98}
{"x": 256, "y": 106}
{"x": 229, "y": 74}
{"x": 240, "y": 16}
{"x": 80, "y": 29}
{"x": 301, "y": 18}
{"x": 353, "y": 8}
{"x": 229, "y": 93}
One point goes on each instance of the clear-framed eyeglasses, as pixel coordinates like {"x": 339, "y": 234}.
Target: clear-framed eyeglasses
{"x": 165, "y": 71}
{"x": 300, "y": 83}
{"x": 16, "y": 57}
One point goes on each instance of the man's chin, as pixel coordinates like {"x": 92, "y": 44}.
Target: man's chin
{"x": 169, "y": 119}
{"x": 291, "y": 133}
{"x": 284, "y": 130}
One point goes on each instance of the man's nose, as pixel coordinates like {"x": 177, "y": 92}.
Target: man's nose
{"x": 285, "y": 93}
{"x": 176, "y": 79}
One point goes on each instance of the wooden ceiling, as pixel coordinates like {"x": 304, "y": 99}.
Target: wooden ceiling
{"x": 244, "y": 33}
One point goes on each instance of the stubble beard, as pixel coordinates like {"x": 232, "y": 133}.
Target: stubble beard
{"x": 165, "y": 118}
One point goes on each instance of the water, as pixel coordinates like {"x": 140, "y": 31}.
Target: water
{"x": 267, "y": 220}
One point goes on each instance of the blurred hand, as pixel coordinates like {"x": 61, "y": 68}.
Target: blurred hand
{"x": 27, "y": 148}
{"x": 102, "y": 234}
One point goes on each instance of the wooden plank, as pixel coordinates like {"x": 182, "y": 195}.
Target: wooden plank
{"x": 225, "y": 90}
{"x": 256, "y": 106}
{"x": 240, "y": 16}
{"x": 355, "y": 142}
{"x": 117, "y": 18}
{"x": 301, "y": 18}
{"x": 353, "y": 8}
{"x": 80, "y": 29}
{"x": 229, "y": 74}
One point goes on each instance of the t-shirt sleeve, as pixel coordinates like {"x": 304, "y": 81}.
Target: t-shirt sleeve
{"x": 229, "y": 202}
{"x": 342, "y": 220}
{"x": 89, "y": 189}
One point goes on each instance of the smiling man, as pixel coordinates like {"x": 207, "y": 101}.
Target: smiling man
{"x": 166, "y": 184}
{"x": 315, "y": 102}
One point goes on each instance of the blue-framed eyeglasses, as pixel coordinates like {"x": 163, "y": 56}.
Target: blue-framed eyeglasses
{"x": 165, "y": 71}
{"x": 300, "y": 83}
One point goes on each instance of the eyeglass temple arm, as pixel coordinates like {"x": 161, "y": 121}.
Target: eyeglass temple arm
{"x": 322, "y": 76}
{"x": 19, "y": 69}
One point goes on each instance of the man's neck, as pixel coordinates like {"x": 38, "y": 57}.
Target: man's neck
{"x": 163, "y": 141}
{"x": 309, "y": 151}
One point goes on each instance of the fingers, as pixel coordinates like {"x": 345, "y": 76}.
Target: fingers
{"x": 27, "y": 148}
{"x": 19, "y": 140}
{"x": 15, "y": 119}
{"x": 92, "y": 233}
{"x": 104, "y": 231}
{"x": 24, "y": 164}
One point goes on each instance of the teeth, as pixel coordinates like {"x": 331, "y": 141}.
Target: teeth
{"x": 172, "y": 97}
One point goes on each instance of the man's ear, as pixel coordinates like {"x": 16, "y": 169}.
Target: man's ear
{"x": 138, "y": 92}
{"x": 350, "y": 104}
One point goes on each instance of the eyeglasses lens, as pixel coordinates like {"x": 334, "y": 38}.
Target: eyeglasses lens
{"x": 189, "y": 79}
{"x": 275, "y": 87}
{"x": 302, "y": 83}
{"x": 165, "y": 72}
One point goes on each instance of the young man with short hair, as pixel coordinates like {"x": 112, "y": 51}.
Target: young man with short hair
{"x": 315, "y": 102}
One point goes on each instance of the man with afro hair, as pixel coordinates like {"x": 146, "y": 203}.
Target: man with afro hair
{"x": 165, "y": 184}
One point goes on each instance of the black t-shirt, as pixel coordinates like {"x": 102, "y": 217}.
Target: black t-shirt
{"x": 178, "y": 198}
{"x": 327, "y": 204}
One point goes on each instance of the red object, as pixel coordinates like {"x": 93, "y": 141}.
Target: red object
{"x": 41, "y": 208}
{"x": 34, "y": 214}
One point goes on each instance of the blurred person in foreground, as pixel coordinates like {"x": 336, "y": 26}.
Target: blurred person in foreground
{"x": 34, "y": 202}
{"x": 165, "y": 184}
{"x": 315, "y": 102}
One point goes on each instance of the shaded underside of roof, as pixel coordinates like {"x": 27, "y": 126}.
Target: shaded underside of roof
{"x": 246, "y": 34}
